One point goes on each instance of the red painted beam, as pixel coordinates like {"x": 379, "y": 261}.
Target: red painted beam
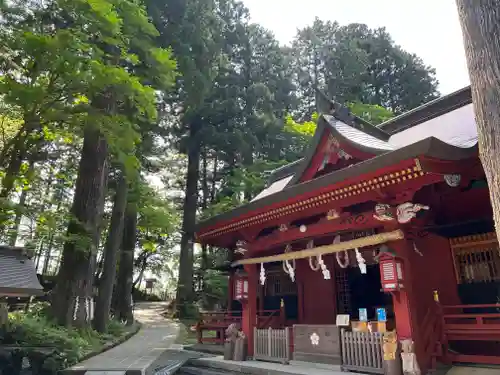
{"x": 308, "y": 195}
{"x": 394, "y": 194}
{"x": 345, "y": 222}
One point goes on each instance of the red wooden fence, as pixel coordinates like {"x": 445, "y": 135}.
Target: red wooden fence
{"x": 462, "y": 324}
{"x": 218, "y": 321}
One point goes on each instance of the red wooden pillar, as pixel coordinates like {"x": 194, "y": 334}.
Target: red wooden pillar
{"x": 230, "y": 293}
{"x": 249, "y": 317}
{"x": 403, "y": 300}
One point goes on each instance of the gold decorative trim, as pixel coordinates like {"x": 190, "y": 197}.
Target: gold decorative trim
{"x": 375, "y": 239}
{"x": 393, "y": 178}
{"x": 418, "y": 165}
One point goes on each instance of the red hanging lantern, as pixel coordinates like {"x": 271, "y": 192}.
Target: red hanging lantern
{"x": 240, "y": 287}
{"x": 391, "y": 274}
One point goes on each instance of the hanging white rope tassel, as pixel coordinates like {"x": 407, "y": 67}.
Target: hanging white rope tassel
{"x": 345, "y": 262}
{"x": 316, "y": 267}
{"x": 87, "y": 309}
{"x": 262, "y": 276}
{"x": 320, "y": 264}
{"x": 290, "y": 270}
{"x": 324, "y": 270}
{"x": 75, "y": 311}
{"x": 91, "y": 308}
{"x": 287, "y": 267}
{"x": 361, "y": 261}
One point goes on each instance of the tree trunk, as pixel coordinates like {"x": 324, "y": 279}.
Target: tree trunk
{"x": 11, "y": 174}
{"x": 123, "y": 290}
{"x": 58, "y": 196}
{"x": 142, "y": 268}
{"x": 480, "y": 20}
{"x": 213, "y": 191}
{"x": 204, "y": 206}
{"x": 19, "y": 211}
{"x": 72, "y": 296}
{"x": 39, "y": 255}
{"x": 48, "y": 254}
{"x": 115, "y": 235}
{"x": 17, "y": 220}
{"x": 185, "y": 292}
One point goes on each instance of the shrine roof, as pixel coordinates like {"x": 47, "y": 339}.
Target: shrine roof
{"x": 428, "y": 111}
{"x": 443, "y": 129}
{"x": 17, "y": 273}
{"x": 449, "y": 119}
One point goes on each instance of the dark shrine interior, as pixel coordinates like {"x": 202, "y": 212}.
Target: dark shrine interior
{"x": 366, "y": 292}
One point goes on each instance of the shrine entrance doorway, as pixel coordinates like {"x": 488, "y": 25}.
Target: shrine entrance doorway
{"x": 278, "y": 289}
{"x": 361, "y": 291}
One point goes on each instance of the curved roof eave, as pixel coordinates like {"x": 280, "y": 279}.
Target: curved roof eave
{"x": 332, "y": 123}
{"x": 430, "y": 147}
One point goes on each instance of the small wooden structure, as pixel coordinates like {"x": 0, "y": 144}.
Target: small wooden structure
{"x": 394, "y": 218}
{"x": 17, "y": 273}
{"x": 18, "y": 279}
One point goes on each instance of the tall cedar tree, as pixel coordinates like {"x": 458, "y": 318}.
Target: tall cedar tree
{"x": 113, "y": 241}
{"x": 122, "y": 54}
{"x": 191, "y": 28}
{"x": 480, "y": 20}
{"x": 353, "y": 63}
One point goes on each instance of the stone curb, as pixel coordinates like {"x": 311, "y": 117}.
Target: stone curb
{"x": 105, "y": 348}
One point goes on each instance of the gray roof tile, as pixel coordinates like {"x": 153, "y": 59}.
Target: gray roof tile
{"x": 17, "y": 273}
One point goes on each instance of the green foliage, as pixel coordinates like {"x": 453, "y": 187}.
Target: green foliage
{"x": 164, "y": 82}
{"x": 214, "y": 289}
{"x": 35, "y": 329}
{"x": 157, "y": 223}
{"x": 374, "y": 114}
{"x": 356, "y": 64}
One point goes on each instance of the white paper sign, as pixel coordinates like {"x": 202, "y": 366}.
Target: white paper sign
{"x": 343, "y": 320}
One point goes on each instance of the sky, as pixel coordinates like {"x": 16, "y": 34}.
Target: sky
{"x": 428, "y": 28}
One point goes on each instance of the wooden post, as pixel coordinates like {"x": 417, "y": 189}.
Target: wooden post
{"x": 403, "y": 300}
{"x": 287, "y": 343}
{"x": 269, "y": 342}
{"x": 282, "y": 313}
{"x": 250, "y": 307}
{"x": 199, "y": 333}
{"x": 230, "y": 294}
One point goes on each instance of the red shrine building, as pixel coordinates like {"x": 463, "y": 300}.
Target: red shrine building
{"x": 394, "y": 218}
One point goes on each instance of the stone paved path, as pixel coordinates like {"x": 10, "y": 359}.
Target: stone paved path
{"x": 137, "y": 354}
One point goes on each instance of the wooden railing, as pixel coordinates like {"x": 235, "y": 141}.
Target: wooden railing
{"x": 362, "y": 351}
{"x": 219, "y": 321}
{"x": 270, "y": 319}
{"x": 215, "y": 321}
{"x": 472, "y": 323}
{"x": 272, "y": 345}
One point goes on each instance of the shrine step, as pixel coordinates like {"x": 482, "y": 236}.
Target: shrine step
{"x": 188, "y": 370}
{"x": 217, "y": 366}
